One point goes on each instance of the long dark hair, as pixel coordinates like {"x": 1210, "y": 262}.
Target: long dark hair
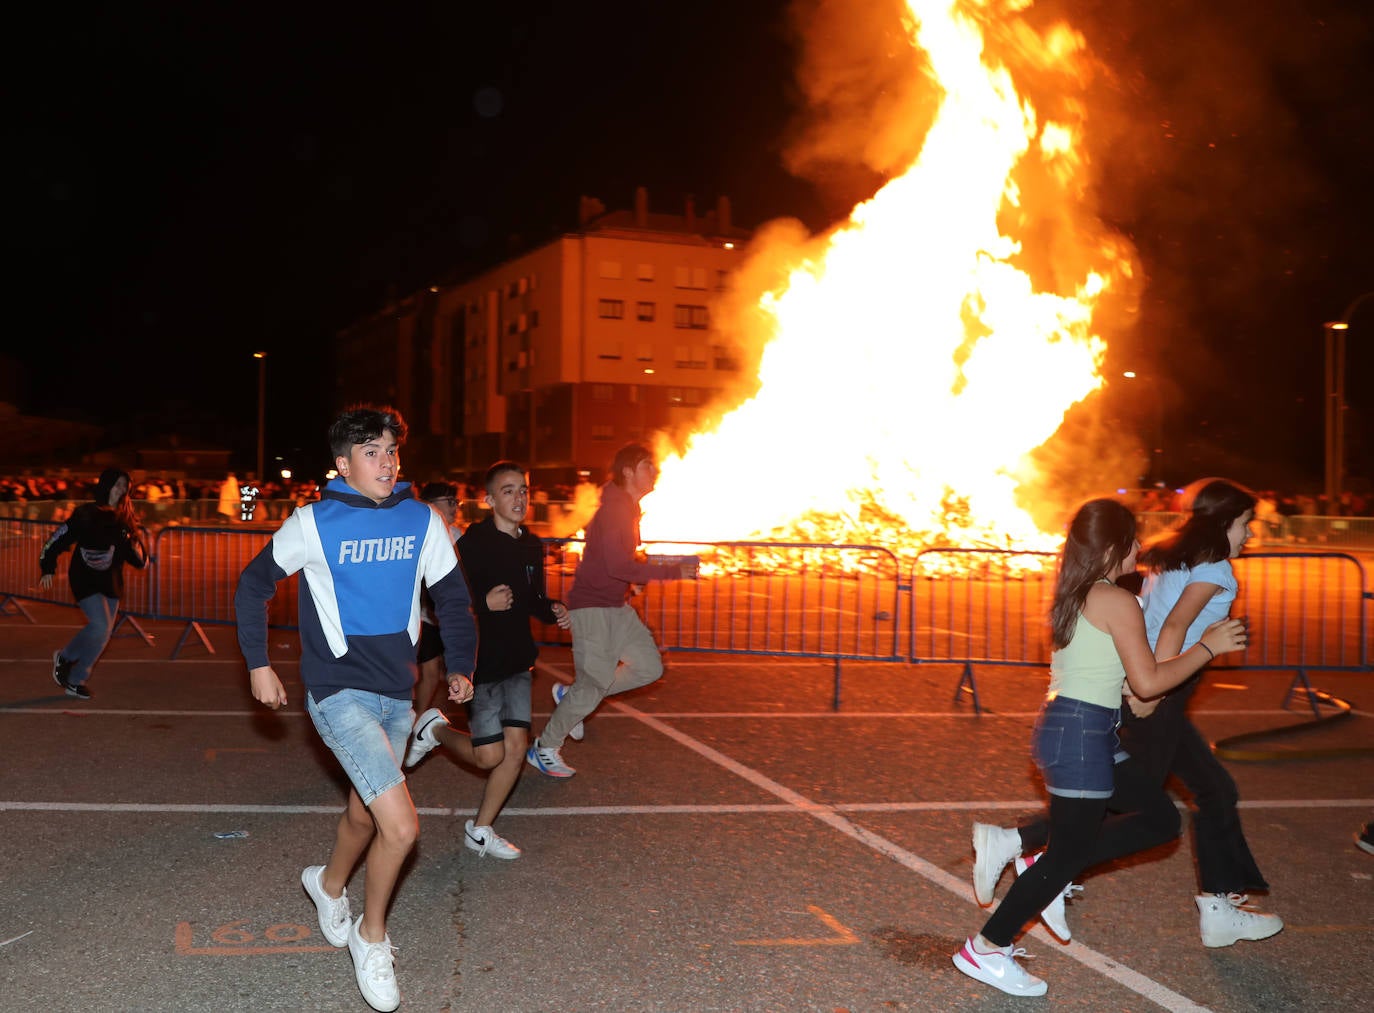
{"x": 1213, "y": 504}
{"x": 124, "y": 509}
{"x": 1101, "y": 535}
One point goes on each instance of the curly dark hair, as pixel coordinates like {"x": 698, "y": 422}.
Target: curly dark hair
{"x": 361, "y": 423}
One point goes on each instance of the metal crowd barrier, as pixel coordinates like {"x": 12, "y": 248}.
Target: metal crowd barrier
{"x": 980, "y": 606}
{"x": 793, "y": 599}
{"x": 965, "y": 607}
{"x": 1308, "y": 611}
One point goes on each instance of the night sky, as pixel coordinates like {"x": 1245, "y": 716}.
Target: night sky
{"x": 197, "y": 181}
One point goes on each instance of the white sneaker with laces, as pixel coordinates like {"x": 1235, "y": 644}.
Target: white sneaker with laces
{"x": 374, "y": 968}
{"x": 993, "y": 848}
{"x": 578, "y": 731}
{"x": 423, "y": 737}
{"x": 1227, "y": 918}
{"x": 548, "y": 761}
{"x": 999, "y": 969}
{"x": 332, "y": 911}
{"x": 1053, "y": 915}
{"x": 486, "y": 841}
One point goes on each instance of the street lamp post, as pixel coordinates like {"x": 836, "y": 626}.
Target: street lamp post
{"x": 1156, "y": 474}
{"x": 1335, "y": 402}
{"x": 262, "y": 407}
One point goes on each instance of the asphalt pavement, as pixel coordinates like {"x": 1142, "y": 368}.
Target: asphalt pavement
{"x": 730, "y": 843}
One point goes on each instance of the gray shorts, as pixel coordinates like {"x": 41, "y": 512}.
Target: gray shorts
{"x": 499, "y": 705}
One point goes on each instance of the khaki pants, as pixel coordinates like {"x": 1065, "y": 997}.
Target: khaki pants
{"x": 613, "y": 651}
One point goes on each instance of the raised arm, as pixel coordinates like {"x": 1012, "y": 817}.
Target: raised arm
{"x": 1188, "y": 607}
{"x": 1115, "y": 610}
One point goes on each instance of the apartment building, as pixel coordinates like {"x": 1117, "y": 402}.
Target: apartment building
{"x": 558, "y": 356}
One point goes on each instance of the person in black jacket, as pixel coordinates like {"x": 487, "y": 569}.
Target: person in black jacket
{"x": 106, "y": 534}
{"x": 504, "y": 563}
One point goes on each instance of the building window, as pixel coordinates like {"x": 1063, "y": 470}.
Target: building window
{"x": 611, "y": 309}
{"x": 602, "y": 392}
{"x": 689, "y": 317}
{"x": 645, "y": 272}
{"x": 645, "y": 353}
{"x": 689, "y": 358}
{"x": 609, "y": 350}
{"x": 534, "y": 318}
{"x": 644, "y": 311}
{"x": 722, "y": 279}
{"x": 603, "y": 433}
{"x": 726, "y": 359}
{"x": 513, "y": 289}
{"x": 610, "y": 269}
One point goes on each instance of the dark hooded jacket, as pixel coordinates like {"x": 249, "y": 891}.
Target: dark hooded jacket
{"x": 492, "y": 558}
{"x": 103, "y": 544}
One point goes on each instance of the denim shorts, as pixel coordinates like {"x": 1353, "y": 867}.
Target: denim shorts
{"x": 1075, "y": 746}
{"x": 368, "y": 733}
{"x": 496, "y": 706}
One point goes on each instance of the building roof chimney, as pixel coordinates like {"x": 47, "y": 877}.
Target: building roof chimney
{"x": 723, "y": 215}
{"x": 641, "y": 207}
{"x": 589, "y": 208}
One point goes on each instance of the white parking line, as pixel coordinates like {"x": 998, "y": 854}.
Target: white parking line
{"x": 1108, "y": 967}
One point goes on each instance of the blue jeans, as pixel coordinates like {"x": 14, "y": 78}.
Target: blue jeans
{"x": 367, "y": 732}
{"x": 84, "y": 649}
{"x": 1075, "y": 746}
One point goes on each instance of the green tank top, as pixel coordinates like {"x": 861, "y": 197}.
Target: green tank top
{"x": 1089, "y": 669}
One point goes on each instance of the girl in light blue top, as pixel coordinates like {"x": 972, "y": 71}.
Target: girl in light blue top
{"x": 1190, "y": 585}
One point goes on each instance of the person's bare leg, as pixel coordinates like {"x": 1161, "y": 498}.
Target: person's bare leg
{"x": 398, "y": 827}
{"x": 459, "y": 744}
{"x": 431, "y": 675}
{"x": 503, "y": 774}
{"x": 354, "y": 834}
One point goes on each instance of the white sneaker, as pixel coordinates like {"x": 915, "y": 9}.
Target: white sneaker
{"x": 999, "y": 969}
{"x": 1226, "y": 918}
{"x": 486, "y": 841}
{"x": 548, "y": 761}
{"x": 374, "y": 969}
{"x": 1053, "y": 915}
{"x": 422, "y": 737}
{"x": 560, "y": 690}
{"x": 332, "y": 911}
{"x": 993, "y": 848}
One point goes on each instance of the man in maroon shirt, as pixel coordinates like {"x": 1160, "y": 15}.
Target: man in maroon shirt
{"x": 613, "y": 651}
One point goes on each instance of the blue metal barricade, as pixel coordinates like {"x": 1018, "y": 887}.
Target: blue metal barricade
{"x": 783, "y": 599}
{"x": 965, "y": 607}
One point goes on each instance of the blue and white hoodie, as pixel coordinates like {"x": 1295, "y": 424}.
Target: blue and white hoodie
{"x": 362, "y": 565}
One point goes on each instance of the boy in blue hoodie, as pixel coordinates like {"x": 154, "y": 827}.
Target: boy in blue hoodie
{"x": 363, "y": 551}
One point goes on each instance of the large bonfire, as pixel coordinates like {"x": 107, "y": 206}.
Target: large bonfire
{"x": 915, "y": 356}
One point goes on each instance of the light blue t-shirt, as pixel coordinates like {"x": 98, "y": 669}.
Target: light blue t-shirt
{"x": 1163, "y": 590}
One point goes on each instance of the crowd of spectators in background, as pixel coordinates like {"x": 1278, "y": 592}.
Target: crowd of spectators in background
{"x": 1274, "y": 511}
{"x": 173, "y": 500}
{"x": 161, "y": 502}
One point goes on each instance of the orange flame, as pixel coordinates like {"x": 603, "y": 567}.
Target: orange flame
{"x": 912, "y": 365}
